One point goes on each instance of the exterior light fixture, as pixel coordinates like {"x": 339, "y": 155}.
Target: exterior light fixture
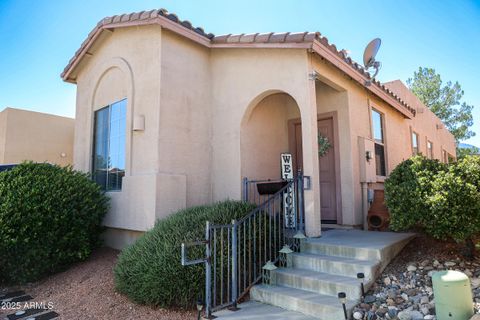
{"x": 368, "y": 155}
{"x": 286, "y": 259}
{"x": 268, "y": 274}
{"x": 199, "y": 307}
{"x": 361, "y": 278}
{"x": 299, "y": 241}
{"x": 342, "y": 297}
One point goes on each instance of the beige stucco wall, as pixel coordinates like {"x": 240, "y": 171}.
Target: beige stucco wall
{"x": 126, "y": 64}
{"x": 120, "y": 238}
{"x": 240, "y": 79}
{"x": 184, "y": 131}
{"x": 34, "y": 136}
{"x": 265, "y": 135}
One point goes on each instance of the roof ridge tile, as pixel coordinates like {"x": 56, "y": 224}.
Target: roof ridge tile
{"x": 295, "y": 37}
{"x": 173, "y": 17}
{"x": 270, "y": 37}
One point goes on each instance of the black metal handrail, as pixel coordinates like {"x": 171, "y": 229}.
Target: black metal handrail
{"x": 254, "y": 240}
{"x": 235, "y": 253}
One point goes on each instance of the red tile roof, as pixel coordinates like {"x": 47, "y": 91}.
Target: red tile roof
{"x": 171, "y": 21}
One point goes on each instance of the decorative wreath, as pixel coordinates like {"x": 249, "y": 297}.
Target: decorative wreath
{"x": 323, "y": 145}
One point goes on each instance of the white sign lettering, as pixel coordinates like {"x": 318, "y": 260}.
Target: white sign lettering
{"x": 287, "y": 166}
{"x": 289, "y": 204}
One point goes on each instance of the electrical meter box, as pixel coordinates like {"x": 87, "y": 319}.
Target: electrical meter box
{"x": 453, "y": 295}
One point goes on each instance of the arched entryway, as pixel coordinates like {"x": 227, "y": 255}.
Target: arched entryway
{"x": 266, "y": 134}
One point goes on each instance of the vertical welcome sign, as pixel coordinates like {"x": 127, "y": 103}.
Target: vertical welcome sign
{"x": 289, "y": 194}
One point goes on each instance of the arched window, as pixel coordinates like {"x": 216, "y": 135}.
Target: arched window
{"x": 109, "y": 140}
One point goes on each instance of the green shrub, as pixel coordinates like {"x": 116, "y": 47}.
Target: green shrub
{"x": 150, "y": 272}
{"x": 49, "y": 217}
{"x": 454, "y": 203}
{"x": 407, "y": 190}
{"x": 442, "y": 200}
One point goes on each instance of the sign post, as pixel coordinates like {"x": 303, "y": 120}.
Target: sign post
{"x": 289, "y": 204}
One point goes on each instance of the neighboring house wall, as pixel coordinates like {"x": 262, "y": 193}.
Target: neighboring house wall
{"x": 3, "y": 134}
{"x": 33, "y": 136}
{"x": 426, "y": 124}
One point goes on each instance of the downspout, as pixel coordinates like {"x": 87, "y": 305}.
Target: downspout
{"x": 365, "y": 204}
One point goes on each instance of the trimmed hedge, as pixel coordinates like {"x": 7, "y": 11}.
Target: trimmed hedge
{"x": 150, "y": 272}
{"x": 49, "y": 217}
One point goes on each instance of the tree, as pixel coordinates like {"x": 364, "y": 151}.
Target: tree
{"x": 444, "y": 100}
{"x": 463, "y": 152}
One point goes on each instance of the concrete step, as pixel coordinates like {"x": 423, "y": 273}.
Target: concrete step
{"x": 316, "y": 246}
{"x": 358, "y": 244}
{"x": 318, "y": 282}
{"x": 320, "y": 306}
{"x": 336, "y": 265}
{"x": 324, "y": 267}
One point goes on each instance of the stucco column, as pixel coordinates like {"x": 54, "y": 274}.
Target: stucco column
{"x": 310, "y": 161}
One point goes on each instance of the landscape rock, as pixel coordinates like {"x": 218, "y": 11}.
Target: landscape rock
{"x": 404, "y": 315}
{"x": 416, "y": 315}
{"x": 407, "y": 294}
{"x": 387, "y": 281}
{"x": 411, "y": 268}
{"x": 475, "y": 282}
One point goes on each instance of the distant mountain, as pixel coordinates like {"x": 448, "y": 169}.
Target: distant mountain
{"x": 466, "y": 146}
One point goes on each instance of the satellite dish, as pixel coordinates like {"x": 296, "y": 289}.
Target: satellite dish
{"x": 369, "y": 57}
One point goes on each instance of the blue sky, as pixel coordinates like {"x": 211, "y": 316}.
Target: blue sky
{"x": 39, "y": 37}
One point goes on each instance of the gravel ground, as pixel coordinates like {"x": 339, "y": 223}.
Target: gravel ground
{"x": 86, "y": 291}
{"x": 404, "y": 290}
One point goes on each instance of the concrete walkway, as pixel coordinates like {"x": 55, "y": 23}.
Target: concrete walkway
{"x": 253, "y": 310}
{"x": 324, "y": 267}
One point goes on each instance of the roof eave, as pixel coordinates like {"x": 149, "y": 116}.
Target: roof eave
{"x": 360, "y": 76}
{"x": 158, "y": 20}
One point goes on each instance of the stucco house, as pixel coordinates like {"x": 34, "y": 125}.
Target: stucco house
{"x": 169, "y": 117}
{"x": 34, "y": 136}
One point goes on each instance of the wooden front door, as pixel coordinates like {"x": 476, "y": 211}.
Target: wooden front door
{"x": 327, "y": 170}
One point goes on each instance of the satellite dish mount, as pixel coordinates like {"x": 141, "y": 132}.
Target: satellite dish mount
{"x": 369, "y": 59}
